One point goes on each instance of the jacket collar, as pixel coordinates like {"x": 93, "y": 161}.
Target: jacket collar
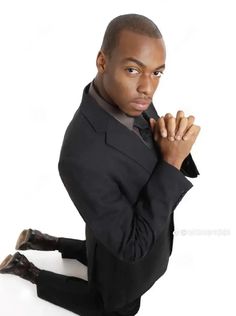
{"x": 117, "y": 135}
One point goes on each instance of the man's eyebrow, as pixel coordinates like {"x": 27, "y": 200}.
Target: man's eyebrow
{"x": 138, "y": 62}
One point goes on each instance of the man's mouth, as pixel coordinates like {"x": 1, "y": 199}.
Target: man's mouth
{"x": 141, "y": 104}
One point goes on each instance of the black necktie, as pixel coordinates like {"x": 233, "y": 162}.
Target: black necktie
{"x": 145, "y": 130}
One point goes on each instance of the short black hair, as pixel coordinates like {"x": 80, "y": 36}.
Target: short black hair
{"x": 132, "y": 22}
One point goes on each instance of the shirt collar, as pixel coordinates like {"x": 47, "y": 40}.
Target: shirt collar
{"x": 115, "y": 111}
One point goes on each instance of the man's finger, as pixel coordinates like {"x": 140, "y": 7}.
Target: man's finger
{"x": 170, "y": 124}
{"x": 162, "y": 127}
{"x": 180, "y": 130}
{"x": 179, "y": 116}
{"x": 191, "y": 120}
{"x": 168, "y": 115}
{"x": 192, "y": 131}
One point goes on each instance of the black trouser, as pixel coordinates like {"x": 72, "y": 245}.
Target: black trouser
{"x": 73, "y": 293}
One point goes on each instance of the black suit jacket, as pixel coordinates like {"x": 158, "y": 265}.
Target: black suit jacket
{"x": 126, "y": 195}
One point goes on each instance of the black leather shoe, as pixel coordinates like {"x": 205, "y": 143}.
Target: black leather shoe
{"x": 20, "y": 266}
{"x": 35, "y": 240}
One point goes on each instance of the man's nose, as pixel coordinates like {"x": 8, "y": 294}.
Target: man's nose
{"x": 145, "y": 85}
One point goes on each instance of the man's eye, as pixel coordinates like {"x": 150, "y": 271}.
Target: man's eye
{"x": 132, "y": 70}
{"x": 158, "y": 73}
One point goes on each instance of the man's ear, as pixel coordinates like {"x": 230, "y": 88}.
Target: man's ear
{"x": 101, "y": 62}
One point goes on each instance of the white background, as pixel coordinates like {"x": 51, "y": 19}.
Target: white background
{"x": 47, "y": 56}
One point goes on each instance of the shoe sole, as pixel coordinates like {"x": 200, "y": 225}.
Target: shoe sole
{"x": 23, "y": 239}
{"x": 5, "y": 262}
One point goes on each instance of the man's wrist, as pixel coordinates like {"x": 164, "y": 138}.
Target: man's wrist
{"x": 175, "y": 163}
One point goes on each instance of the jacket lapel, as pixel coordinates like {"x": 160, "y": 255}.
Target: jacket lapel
{"x": 117, "y": 135}
{"x": 127, "y": 142}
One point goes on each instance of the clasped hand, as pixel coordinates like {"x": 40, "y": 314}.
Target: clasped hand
{"x": 173, "y": 128}
{"x": 175, "y": 136}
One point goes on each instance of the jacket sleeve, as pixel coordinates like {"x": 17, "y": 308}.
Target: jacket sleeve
{"x": 188, "y": 167}
{"x": 127, "y": 231}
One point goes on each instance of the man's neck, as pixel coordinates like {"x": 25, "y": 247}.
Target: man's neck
{"x": 98, "y": 86}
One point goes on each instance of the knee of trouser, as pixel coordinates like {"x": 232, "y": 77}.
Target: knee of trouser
{"x": 130, "y": 309}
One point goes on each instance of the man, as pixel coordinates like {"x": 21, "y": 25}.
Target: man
{"x": 125, "y": 169}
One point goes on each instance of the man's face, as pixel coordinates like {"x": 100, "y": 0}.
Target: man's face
{"x": 131, "y": 74}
